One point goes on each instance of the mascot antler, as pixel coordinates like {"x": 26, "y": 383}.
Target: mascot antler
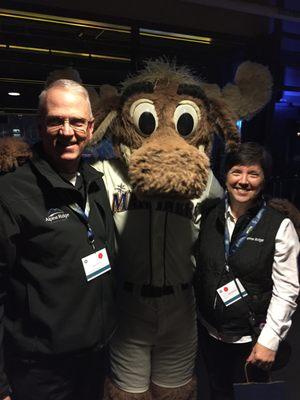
{"x": 250, "y": 92}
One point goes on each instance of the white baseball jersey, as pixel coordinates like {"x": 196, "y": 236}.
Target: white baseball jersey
{"x": 154, "y": 237}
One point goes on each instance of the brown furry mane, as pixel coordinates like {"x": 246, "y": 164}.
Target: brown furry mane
{"x": 161, "y": 70}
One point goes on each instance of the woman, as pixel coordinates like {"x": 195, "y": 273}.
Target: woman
{"x": 247, "y": 277}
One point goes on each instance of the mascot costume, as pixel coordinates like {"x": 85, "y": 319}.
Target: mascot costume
{"x": 162, "y": 126}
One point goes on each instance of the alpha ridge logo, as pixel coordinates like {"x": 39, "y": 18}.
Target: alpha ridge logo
{"x": 56, "y": 214}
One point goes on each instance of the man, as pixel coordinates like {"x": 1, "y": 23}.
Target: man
{"x": 56, "y": 248}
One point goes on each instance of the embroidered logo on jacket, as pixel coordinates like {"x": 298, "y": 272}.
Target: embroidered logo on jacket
{"x": 255, "y": 239}
{"x": 55, "y": 214}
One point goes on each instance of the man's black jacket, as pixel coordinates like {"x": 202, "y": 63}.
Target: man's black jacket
{"x": 48, "y": 308}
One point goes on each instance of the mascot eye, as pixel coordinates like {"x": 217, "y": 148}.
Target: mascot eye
{"x": 144, "y": 116}
{"x": 186, "y": 117}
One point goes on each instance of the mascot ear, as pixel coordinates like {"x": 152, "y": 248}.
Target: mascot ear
{"x": 106, "y": 113}
{"x": 223, "y": 122}
{"x": 13, "y": 152}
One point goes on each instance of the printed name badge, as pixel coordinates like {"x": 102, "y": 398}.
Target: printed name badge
{"x": 229, "y": 293}
{"x": 96, "y": 264}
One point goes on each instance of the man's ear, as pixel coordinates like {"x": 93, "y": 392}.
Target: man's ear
{"x": 90, "y": 129}
{"x": 41, "y": 124}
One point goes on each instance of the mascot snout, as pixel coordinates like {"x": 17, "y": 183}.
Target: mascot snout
{"x": 168, "y": 167}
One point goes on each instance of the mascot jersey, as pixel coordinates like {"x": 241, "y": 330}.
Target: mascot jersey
{"x": 154, "y": 238}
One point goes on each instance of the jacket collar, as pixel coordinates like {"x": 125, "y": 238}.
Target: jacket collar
{"x": 40, "y": 163}
{"x": 250, "y": 213}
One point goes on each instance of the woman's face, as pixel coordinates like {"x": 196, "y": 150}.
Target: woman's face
{"x": 244, "y": 183}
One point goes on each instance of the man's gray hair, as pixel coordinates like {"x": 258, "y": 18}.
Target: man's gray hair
{"x": 67, "y": 84}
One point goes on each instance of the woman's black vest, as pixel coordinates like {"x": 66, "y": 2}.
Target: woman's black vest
{"x": 252, "y": 264}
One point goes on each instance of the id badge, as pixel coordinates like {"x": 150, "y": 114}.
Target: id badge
{"x": 96, "y": 264}
{"x": 229, "y": 293}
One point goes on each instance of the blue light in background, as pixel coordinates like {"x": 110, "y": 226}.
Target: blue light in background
{"x": 292, "y": 79}
{"x": 239, "y": 124}
{"x": 293, "y": 98}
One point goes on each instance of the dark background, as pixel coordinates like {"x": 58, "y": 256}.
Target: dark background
{"x": 104, "y": 41}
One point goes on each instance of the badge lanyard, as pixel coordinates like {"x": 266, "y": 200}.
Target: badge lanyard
{"x": 230, "y": 250}
{"x": 84, "y": 218}
{"x": 96, "y": 263}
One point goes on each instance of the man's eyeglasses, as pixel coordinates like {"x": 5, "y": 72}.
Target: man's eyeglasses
{"x": 77, "y": 124}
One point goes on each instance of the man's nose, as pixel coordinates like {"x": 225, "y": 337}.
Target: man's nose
{"x": 66, "y": 129}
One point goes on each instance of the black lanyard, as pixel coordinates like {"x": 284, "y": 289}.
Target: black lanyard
{"x": 230, "y": 250}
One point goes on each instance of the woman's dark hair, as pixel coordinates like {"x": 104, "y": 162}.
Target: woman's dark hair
{"x": 249, "y": 153}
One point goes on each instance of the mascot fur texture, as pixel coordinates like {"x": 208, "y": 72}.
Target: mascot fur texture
{"x": 13, "y": 153}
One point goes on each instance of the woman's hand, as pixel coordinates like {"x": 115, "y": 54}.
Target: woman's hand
{"x": 261, "y": 356}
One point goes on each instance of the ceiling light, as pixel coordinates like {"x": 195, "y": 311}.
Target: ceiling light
{"x": 66, "y": 53}
{"x": 176, "y": 36}
{"x": 55, "y": 19}
{"x": 14, "y": 93}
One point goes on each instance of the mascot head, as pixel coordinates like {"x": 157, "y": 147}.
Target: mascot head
{"x": 162, "y": 124}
